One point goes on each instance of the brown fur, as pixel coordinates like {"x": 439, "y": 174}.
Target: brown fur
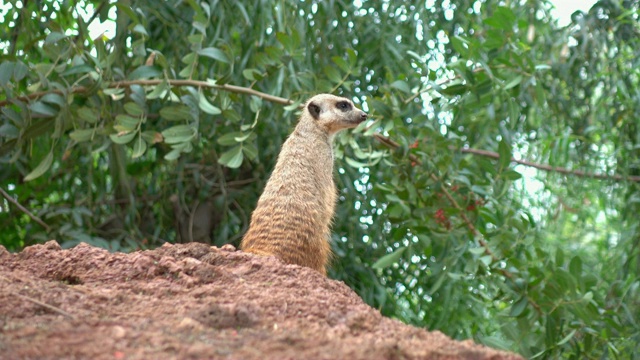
{"x": 293, "y": 217}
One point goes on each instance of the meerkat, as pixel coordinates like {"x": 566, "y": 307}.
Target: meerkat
{"x": 293, "y": 217}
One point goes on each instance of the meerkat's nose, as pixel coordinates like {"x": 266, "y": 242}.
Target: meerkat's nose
{"x": 363, "y": 116}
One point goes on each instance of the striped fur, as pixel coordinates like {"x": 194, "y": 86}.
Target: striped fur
{"x": 292, "y": 219}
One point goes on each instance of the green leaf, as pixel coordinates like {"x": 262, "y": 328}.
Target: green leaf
{"x": 200, "y": 26}
{"x": 44, "y": 165}
{"x": 567, "y": 338}
{"x": 255, "y": 104}
{"x": 504, "y": 150}
{"x": 402, "y": 86}
{"x": 152, "y": 137}
{"x": 480, "y": 190}
{"x": 232, "y": 158}
{"x": 286, "y": 41}
{"x": 389, "y": 259}
{"x": 243, "y": 137}
{"x": 82, "y": 135}
{"x": 79, "y": 69}
{"x": 187, "y": 71}
{"x": 342, "y": 64}
{"x": 381, "y": 107}
{"x": 189, "y": 59}
{"x": 207, "y": 107}
{"x": 353, "y": 58}
{"x": 54, "y": 99}
{"x": 116, "y": 94}
{"x": 542, "y": 67}
{"x": 9, "y": 131}
{"x": 122, "y": 139}
{"x": 89, "y": 115}
{"x": 564, "y": 280}
{"x": 172, "y": 155}
{"x": 457, "y": 89}
{"x": 575, "y": 267}
{"x": 54, "y": 37}
{"x": 250, "y": 151}
{"x": 486, "y": 260}
{"x": 139, "y": 147}
{"x": 460, "y": 45}
{"x": 332, "y": 74}
{"x": 559, "y": 257}
{"x": 158, "y": 90}
{"x": 503, "y": 19}
{"x": 145, "y": 72}
{"x": 43, "y": 109}
{"x": 252, "y": 74}
{"x": 129, "y": 12}
{"x": 178, "y": 134}
{"x": 354, "y": 163}
{"x": 230, "y": 139}
{"x": 511, "y": 175}
{"x": 214, "y": 53}
{"x": 494, "y": 342}
{"x": 133, "y": 109}
{"x": 515, "y": 81}
{"x": 138, "y": 28}
{"x": 393, "y": 198}
{"x": 176, "y": 112}
{"x": 294, "y": 106}
{"x": 518, "y": 308}
{"x": 128, "y": 122}
{"x": 6, "y": 72}
{"x": 195, "y": 39}
{"x": 20, "y": 70}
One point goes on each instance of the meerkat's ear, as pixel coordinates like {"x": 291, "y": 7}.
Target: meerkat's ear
{"x": 314, "y": 110}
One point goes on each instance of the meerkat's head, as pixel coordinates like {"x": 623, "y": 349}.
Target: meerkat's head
{"x": 333, "y": 113}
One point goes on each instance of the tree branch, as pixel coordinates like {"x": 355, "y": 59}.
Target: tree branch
{"x": 16, "y": 29}
{"x": 392, "y": 144}
{"x": 129, "y": 83}
{"x": 24, "y": 210}
{"x": 284, "y": 101}
{"x": 550, "y": 168}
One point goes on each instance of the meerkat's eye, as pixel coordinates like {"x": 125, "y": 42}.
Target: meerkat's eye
{"x": 343, "y": 105}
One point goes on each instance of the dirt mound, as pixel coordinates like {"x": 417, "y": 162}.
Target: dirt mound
{"x": 194, "y": 301}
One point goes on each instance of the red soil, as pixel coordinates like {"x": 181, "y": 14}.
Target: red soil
{"x": 193, "y": 301}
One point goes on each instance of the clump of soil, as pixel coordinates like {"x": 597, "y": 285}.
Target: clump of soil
{"x": 193, "y": 301}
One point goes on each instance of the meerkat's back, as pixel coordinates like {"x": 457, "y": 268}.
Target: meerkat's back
{"x": 292, "y": 219}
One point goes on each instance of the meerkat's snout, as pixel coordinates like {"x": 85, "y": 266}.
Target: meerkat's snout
{"x": 363, "y": 116}
{"x": 359, "y": 118}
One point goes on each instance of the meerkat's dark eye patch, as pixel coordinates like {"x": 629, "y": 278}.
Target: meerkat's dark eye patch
{"x": 343, "y": 105}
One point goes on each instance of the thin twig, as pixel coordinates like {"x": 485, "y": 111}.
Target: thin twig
{"x": 44, "y": 305}
{"x": 392, "y": 144}
{"x": 245, "y": 223}
{"x": 545, "y": 167}
{"x": 24, "y": 210}
{"x": 96, "y": 13}
{"x": 430, "y": 87}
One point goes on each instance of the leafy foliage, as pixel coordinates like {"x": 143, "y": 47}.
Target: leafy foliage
{"x": 167, "y": 131}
